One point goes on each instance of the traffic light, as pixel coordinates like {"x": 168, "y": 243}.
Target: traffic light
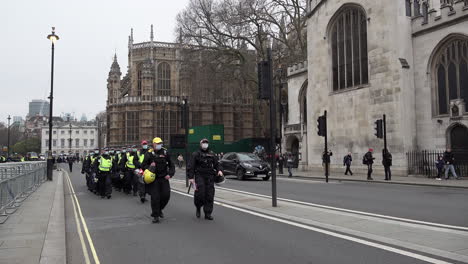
{"x": 379, "y": 128}
{"x": 322, "y": 126}
{"x": 264, "y": 79}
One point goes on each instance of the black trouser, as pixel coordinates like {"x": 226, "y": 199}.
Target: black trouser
{"x": 280, "y": 167}
{"x": 388, "y": 173}
{"x": 127, "y": 180}
{"x": 104, "y": 186}
{"x": 90, "y": 181}
{"x": 137, "y": 185}
{"x": 160, "y": 192}
{"x": 369, "y": 171}
{"x": 70, "y": 165}
{"x": 204, "y": 195}
{"x": 116, "y": 180}
{"x": 348, "y": 169}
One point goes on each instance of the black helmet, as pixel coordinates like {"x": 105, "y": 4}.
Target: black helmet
{"x": 218, "y": 179}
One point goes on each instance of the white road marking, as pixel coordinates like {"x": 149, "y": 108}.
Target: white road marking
{"x": 461, "y": 228}
{"x": 83, "y": 221}
{"x": 330, "y": 233}
{"x": 78, "y": 225}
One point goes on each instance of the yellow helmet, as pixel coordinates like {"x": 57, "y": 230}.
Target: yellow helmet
{"x": 157, "y": 140}
{"x": 148, "y": 176}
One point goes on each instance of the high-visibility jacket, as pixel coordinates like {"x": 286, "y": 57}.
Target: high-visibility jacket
{"x": 129, "y": 164}
{"x": 105, "y": 164}
{"x": 141, "y": 157}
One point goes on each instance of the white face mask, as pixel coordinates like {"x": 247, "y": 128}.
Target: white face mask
{"x": 96, "y": 152}
{"x": 145, "y": 146}
{"x": 204, "y": 145}
{"x": 158, "y": 146}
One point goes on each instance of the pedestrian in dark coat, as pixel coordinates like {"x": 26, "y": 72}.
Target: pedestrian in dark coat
{"x": 449, "y": 160}
{"x": 387, "y": 163}
{"x": 70, "y": 163}
{"x": 440, "y": 167}
{"x": 368, "y": 160}
{"x": 347, "y": 162}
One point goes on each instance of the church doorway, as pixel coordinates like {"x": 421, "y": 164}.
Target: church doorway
{"x": 292, "y": 146}
{"x": 459, "y": 138}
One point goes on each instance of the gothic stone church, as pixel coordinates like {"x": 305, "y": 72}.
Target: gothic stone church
{"x": 147, "y": 101}
{"x": 407, "y": 59}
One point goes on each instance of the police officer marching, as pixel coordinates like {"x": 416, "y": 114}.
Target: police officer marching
{"x": 158, "y": 187}
{"x": 203, "y": 170}
{"x": 103, "y": 167}
{"x": 143, "y": 157}
{"x": 93, "y": 171}
{"x": 131, "y": 164}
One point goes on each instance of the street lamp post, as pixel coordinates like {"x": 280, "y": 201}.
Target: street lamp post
{"x": 53, "y": 38}
{"x": 8, "y": 145}
{"x": 70, "y": 143}
{"x": 186, "y": 127}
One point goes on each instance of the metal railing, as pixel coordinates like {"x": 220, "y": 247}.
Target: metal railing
{"x": 17, "y": 182}
{"x": 423, "y": 162}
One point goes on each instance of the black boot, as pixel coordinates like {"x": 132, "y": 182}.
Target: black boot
{"x": 161, "y": 214}
{"x": 156, "y": 220}
{"x": 142, "y": 200}
{"x": 198, "y": 213}
{"x": 209, "y": 217}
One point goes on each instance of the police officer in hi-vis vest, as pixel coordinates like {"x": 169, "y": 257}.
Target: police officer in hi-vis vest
{"x": 143, "y": 157}
{"x": 103, "y": 167}
{"x": 131, "y": 163}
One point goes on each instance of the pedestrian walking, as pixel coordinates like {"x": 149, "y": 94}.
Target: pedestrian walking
{"x": 449, "y": 160}
{"x": 368, "y": 160}
{"x": 104, "y": 169}
{"x": 440, "y": 167}
{"x": 159, "y": 189}
{"x": 180, "y": 160}
{"x": 70, "y": 163}
{"x": 280, "y": 163}
{"x": 387, "y": 163}
{"x": 347, "y": 162}
{"x": 203, "y": 169}
{"x": 290, "y": 163}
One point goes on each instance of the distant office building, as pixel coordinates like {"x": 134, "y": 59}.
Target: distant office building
{"x": 39, "y": 107}
{"x": 18, "y": 119}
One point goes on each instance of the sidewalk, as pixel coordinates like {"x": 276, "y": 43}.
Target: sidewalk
{"x": 358, "y": 177}
{"x": 35, "y": 233}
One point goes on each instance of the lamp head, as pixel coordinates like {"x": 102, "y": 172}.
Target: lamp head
{"x": 52, "y": 37}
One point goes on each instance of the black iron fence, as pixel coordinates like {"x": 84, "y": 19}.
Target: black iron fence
{"x": 423, "y": 162}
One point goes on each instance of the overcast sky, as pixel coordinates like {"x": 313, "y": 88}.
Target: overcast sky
{"x": 90, "y": 31}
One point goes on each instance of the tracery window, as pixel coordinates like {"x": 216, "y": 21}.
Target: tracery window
{"x": 451, "y": 74}
{"x": 164, "y": 79}
{"x": 348, "y": 36}
{"x": 139, "y": 79}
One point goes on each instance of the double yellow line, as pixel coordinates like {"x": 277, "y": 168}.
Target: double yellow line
{"x": 79, "y": 216}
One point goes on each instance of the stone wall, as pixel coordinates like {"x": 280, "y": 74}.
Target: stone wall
{"x": 352, "y": 112}
{"x": 432, "y": 129}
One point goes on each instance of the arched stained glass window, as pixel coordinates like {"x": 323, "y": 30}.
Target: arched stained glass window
{"x": 451, "y": 74}
{"x": 348, "y": 35}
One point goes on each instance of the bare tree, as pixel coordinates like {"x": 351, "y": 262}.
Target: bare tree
{"x": 231, "y": 25}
